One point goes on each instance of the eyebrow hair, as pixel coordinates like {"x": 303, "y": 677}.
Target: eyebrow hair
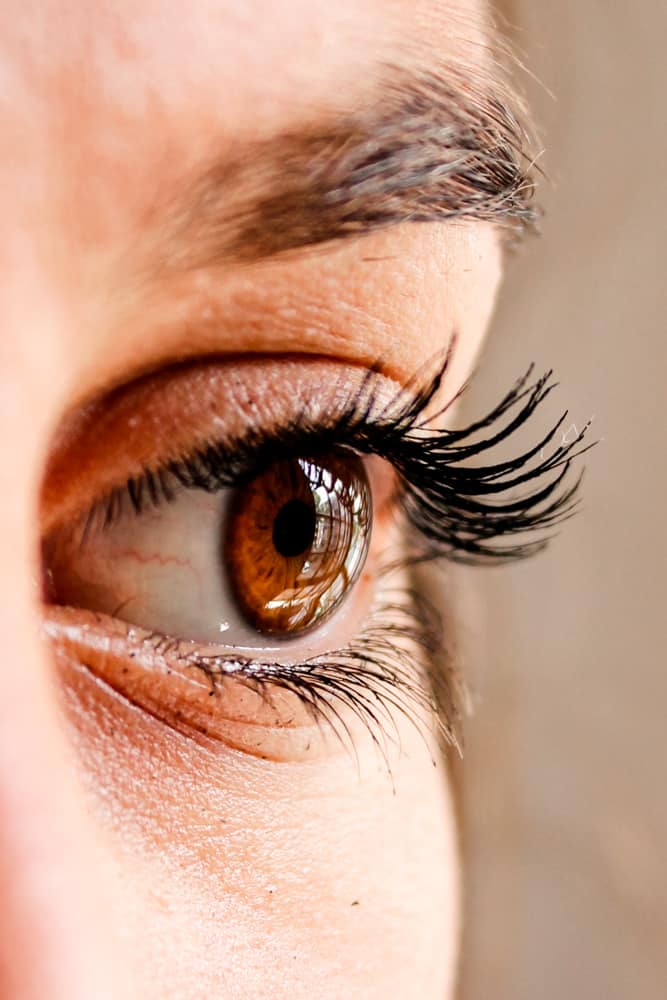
{"x": 435, "y": 149}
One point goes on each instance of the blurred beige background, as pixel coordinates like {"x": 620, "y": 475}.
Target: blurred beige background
{"x": 566, "y": 764}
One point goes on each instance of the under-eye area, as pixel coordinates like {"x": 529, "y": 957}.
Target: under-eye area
{"x": 251, "y": 578}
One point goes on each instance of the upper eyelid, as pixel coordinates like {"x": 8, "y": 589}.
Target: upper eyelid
{"x": 459, "y": 510}
{"x": 236, "y": 460}
{"x": 359, "y": 400}
{"x": 147, "y": 424}
{"x": 448, "y": 503}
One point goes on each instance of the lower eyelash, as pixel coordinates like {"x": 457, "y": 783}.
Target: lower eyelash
{"x": 393, "y": 666}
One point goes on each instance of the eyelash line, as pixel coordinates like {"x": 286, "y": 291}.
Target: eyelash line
{"x": 460, "y": 512}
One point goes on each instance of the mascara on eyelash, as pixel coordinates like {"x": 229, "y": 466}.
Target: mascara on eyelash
{"x": 460, "y": 511}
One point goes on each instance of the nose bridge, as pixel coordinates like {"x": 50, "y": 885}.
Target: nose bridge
{"x": 53, "y": 941}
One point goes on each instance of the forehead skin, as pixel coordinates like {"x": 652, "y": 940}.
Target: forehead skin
{"x": 106, "y": 106}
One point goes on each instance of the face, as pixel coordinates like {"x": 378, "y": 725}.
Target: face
{"x": 221, "y": 767}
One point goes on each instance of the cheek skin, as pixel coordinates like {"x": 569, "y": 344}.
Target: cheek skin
{"x": 320, "y": 877}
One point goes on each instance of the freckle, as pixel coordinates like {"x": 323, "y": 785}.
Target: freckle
{"x": 355, "y": 903}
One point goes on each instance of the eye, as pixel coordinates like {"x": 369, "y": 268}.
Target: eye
{"x": 296, "y": 540}
{"x": 271, "y": 559}
{"x": 267, "y": 557}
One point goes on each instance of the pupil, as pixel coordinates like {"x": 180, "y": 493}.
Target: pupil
{"x": 294, "y": 528}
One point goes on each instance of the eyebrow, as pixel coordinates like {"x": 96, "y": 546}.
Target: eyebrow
{"x": 434, "y": 149}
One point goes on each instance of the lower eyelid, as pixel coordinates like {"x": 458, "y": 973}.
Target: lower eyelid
{"x": 330, "y": 705}
{"x": 263, "y": 719}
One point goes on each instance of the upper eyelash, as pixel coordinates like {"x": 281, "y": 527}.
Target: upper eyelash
{"x": 460, "y": 511}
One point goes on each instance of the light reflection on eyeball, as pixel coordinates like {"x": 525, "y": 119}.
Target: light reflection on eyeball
{"x": 297, "y": 538}
{"x": 268, "y": 561}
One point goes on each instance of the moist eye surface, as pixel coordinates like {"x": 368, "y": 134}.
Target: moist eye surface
{"x": 296, "y": 541}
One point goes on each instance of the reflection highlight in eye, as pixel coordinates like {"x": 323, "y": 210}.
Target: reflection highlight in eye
{"x": 297, "y": 539}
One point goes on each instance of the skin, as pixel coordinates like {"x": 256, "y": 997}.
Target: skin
{"x": 134, "y": 860}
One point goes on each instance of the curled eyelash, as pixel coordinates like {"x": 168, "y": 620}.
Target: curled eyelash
{"x": 467, "y": 514}
{"x": 461, "y": 509}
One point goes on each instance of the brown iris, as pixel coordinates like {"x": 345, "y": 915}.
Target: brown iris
{"x": 296, "y": 540}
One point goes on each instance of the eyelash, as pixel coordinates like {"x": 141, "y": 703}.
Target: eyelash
{"x": 456, "y": 511}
